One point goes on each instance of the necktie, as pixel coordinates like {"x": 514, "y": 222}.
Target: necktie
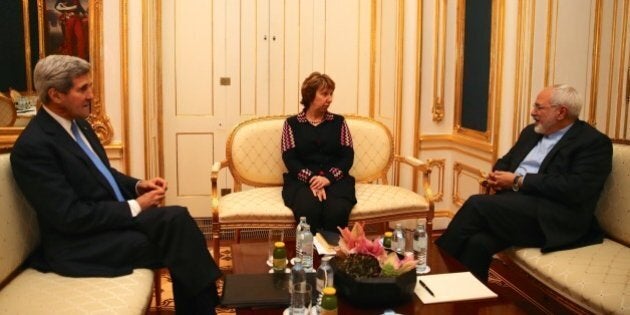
{"x": 97, "y": 161}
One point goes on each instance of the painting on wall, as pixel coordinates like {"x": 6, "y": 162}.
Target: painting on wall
{"x": 66, "y": 28}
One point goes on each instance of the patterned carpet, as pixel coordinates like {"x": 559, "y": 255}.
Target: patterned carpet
{"x": 167, "y": 305}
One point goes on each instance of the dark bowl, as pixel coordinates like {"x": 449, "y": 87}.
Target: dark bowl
{"x": 374, "y": 292}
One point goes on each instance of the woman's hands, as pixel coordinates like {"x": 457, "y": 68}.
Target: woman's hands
{"x": 317, "y": 184}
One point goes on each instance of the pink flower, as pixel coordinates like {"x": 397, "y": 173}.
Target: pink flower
{"x": 354, "y": 242}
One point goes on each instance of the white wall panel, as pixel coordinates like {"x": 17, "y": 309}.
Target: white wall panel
{"x": 193, "y": 50}
{"x": 572, "y": 44}
{"x": 342, "y": 23}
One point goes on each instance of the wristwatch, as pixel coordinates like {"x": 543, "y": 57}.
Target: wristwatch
{"x": 515, "y": 186}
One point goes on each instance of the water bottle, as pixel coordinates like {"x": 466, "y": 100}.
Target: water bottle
{"x": 398, "y": 239}
{"x": 325, "y": 277}
{"x": 420, "y": 248}
{"x": 298, "y": 275}
{"x": 298, "y": 236}
{"x": 306, "y": 240}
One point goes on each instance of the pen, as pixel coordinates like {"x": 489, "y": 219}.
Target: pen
{"x": 426, "y": 288}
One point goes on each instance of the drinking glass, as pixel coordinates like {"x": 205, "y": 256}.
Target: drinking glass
{"x": 275, "y": 235}
{"x": 301, "y": 299}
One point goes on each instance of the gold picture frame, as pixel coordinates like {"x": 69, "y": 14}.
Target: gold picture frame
{"x": 94, "y": 15}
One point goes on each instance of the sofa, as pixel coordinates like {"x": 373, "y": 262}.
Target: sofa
{"x": 254, "y": 159}
{"x": 24, "y": 290}
{"x": 591, "y": 279}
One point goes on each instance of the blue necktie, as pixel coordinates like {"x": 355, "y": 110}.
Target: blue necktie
{"x": 97, "y": 161}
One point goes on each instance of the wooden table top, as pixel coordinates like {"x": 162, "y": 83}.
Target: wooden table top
{"x": 250, "y": 258}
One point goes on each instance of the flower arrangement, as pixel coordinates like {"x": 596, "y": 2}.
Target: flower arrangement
{"x": 360, "y": 257}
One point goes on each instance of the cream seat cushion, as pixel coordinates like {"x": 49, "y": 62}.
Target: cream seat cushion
{"x": 34, "y": 292}
{"x": 595, "y": 276}
{"x": 265, "y": 203}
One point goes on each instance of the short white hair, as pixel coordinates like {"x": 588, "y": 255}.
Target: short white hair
{"x": 567, "y": 96}
{"x": 58, "y": 72}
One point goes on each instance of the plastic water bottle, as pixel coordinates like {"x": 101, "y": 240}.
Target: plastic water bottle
{"x": 420, "y": 248}
{"x": 306, "y": 240}
{"x": 398, "y": 240}
{"x": 298, "y": 275}
{"x": 325, "y": 277}
{"x": 298, "y": 237}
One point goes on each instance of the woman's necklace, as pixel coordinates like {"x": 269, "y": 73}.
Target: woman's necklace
{"x": 315, "y": 122}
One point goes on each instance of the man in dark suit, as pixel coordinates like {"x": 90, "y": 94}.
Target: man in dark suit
{"x": 94, "y": 220}
{"x": 547, "y": 187}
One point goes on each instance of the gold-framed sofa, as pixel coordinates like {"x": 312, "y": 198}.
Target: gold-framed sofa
{"x": 592, "y": 279}
{"x": 254, "y": 158}
{"x": 25, "y": 290}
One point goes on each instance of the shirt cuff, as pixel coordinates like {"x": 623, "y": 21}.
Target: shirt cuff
{"x": 134, "y": 206}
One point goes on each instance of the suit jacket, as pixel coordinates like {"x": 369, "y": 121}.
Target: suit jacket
{"x": 567, "y": 186}
{"x": 84, "y": 230}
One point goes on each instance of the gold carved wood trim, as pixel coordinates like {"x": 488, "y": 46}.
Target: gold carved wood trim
{"x": 438, "y": 164}
{"x": 460, "y": 170}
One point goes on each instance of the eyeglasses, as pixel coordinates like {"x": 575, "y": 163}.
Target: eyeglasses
{"x": 538, "y": 107}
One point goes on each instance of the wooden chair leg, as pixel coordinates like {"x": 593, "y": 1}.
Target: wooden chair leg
{"x": 157, "y": 286}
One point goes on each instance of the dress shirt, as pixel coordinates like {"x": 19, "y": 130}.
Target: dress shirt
{"x": 537, "y": 155}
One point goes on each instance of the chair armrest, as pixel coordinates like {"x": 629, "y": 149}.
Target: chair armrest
{"x": 214, "y": 175}
{"x": 422, "y": 167}
{"x": 417, "y": 164}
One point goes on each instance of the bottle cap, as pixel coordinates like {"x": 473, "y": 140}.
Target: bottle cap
{"x": 278, "y": 244}
{"x": 388, "y": 234}
{"x": 329, "y": 291}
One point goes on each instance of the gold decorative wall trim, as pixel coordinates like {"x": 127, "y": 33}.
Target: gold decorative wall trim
{"x": 439, "y": 165}
{"x": 439, "y": 56}
{"x": 27, "y": 39}
{"x": 470, "y": 143}
{"x": 551, "y": 41}
{"x": 443, "y": 214}
{"x": 611, "y": 66}
{"x": 373, "y": 19}
{"x": 418, "y": 85}
{"x": 524, "y": 66}
{"x": 622, "y": 126}
{"x": 400, "y": 43}
{"x": 597, "y": 26}
{"x": 459, "y": 170}
{"x": 124, "y": 81}
{"x": 100, "y": 122}
{"x": 152, "y": 87}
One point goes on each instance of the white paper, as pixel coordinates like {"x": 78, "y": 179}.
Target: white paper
{"x": 322, "y": 249}
{"x": 448, "y": 287}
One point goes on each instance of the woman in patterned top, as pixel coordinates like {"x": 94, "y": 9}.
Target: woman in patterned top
{"x": 317, "y": 151}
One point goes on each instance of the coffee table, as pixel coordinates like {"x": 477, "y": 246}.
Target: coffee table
{"x": 250, "y": 258}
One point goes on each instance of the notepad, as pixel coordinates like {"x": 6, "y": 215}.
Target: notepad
{"x": 449, "y": 287}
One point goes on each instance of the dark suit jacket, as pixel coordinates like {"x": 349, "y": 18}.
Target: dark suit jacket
{"x": 84, "y": 230}
{"x": 567, "y": 186}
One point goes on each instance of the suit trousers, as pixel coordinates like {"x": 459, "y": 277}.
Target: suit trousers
{"x": 488, "y": 224}
{"x": 174, "y": 241}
